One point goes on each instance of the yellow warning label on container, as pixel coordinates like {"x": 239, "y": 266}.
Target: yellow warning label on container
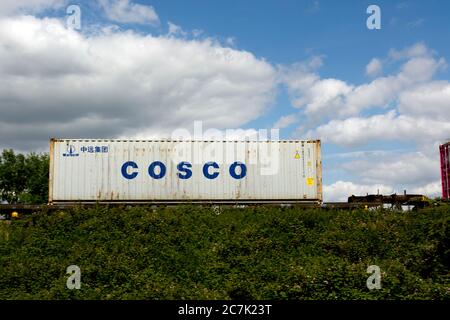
{"x": 297, "y": 156}
{"x": 309, "y": 181}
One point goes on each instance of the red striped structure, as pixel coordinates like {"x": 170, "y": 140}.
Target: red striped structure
{"x": 445, "y": 170}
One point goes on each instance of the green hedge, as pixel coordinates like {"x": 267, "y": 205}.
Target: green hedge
{"x": 193, "y": 252}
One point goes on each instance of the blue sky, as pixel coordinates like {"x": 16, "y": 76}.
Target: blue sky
{"x": 290, "y": 31}
{"x": 380, "y": 124}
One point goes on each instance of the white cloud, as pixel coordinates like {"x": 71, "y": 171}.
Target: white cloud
{"x": 381, "y": 91}
{"x": 432, "y": 189}
{"x": 10, "y": 7}
{"x": 390, "y": 126}
{"x": 175, "y": 30}
{"x": 285, "y": 121}
{"x": 416, "y": 50}
{"x": 431, "y": 100}
{"x": 397, "y": 169}
{"x": 413, "y": 171}
{"x": 415, "y": 106}
{"x": 124, "y": 11}
{"x": 374, "y": 68}
{"x": 57, "y": 82}
{"x": 327, "y": 98}
{"x": 317, "y": 96}
{"x": 356, "y": 154}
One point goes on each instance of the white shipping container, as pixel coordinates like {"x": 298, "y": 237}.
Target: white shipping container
{"x": 185, "y": 171}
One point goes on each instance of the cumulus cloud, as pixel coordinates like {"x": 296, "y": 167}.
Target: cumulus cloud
{"x": 413, "y": 106}
{"x": 401, "y": 169}
{"x": 55, "y": 82}
{"x": 357, "y": 131}
{"x": 431, "y": 100}
{"x": 324, "y": 98}
{"x": 124, "y": 11}
{"x": 374, "y": 67}
{"x": 407, "y": 106}
{"x": 416, "y": 50}
{"x": 432, "y": 189}
{"x": 307, "y": 90}
{"x": 397, "y": 169}
{"x": 10, "y": 7}
{"x": 285, "y": 121}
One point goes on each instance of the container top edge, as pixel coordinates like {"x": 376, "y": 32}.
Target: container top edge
{"x": 169, "y": 140}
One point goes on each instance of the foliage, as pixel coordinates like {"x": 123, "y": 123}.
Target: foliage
{"x": 194, "y": 252}
{"x": 23, "y": 178}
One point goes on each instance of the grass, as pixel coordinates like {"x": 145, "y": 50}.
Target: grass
{"x": 193, "y": 252}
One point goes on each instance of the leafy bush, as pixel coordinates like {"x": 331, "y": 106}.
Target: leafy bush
{"x": 194, "y": 252}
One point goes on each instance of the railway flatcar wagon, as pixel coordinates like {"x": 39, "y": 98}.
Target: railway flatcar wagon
{"x": 164, "y": 171}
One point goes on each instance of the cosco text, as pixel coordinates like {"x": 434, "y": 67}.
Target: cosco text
{"x": 157, "y": 170}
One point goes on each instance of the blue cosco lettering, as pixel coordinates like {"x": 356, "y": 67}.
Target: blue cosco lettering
{"x": 206, "y": 167}
{"x": 125, "y": 167}
{"x": 184, "y": 170}
{"x": 233, "y": 170}
{"x": 130, "y": 170}
{"x": 162, "y": 170}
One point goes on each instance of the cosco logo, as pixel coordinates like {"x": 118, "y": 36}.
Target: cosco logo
{"x": 157, "y": 170}
{"x": 70, "y": 151}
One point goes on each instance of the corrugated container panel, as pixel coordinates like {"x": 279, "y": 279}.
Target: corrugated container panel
{"x": 445, "y": 170}
{"x": 118, "y": 170}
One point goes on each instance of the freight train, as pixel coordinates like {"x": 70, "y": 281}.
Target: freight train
{"x": 130, "y": 172}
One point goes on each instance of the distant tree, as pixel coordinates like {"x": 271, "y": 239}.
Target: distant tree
{"x": 24, "y": 178}
{"x": 36, "y": 191}
{"x": 12, "y": 173}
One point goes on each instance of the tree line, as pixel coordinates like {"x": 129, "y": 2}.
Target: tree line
{"x": 24, "y": 177}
